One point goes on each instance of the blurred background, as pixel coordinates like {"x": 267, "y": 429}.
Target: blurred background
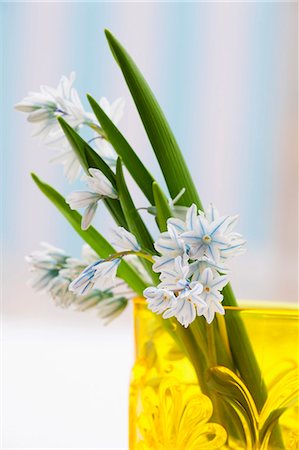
{"x": 226, "y": 76}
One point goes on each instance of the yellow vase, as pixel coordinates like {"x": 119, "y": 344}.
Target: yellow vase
{"x": 169, "y": 411}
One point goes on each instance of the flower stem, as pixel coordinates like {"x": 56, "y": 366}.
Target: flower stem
{"x": 117, "y": 255}
{"x": 211, "y": 345}
{"x": 96, "y": 128}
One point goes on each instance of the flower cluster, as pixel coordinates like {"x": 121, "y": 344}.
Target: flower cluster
{"x": 45, "y": 106}
{"x": 54, "y": 272}
{"x": 193, "y": 253}
{"x": 192, "y": 263}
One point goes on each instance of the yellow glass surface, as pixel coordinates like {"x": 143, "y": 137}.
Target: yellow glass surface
{"x": 169, "y": 412}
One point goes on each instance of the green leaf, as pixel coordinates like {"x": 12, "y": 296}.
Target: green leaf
{"x": 96, "y": 241}
{"x": 132, "y": 216}
{"x": 177, "y": 177}
{"x": 162, "y": 207}
{"x": 87, "y": 156}
{"x": 135, "y": 222}
{"x": 242, "y": 350}
{"x": 167, "y": 151}
{"x": 90, "y": 159}
{"x": 138, "y": 171}
{"x": 232, "y": 390}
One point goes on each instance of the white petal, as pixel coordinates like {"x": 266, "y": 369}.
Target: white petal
{"x": 212, "y": 213}
{"x": 191, "y": 218}
{"x": 219, "y": 226}
{"x": 82, "y": 199}
{"x": 209, "y": 314}
{"x": 125, "y": 240}
{"x": 105, "y": 150}
{"x": 117, "y": 110}
{"x": 169, "y": 313}
{"x": 150, "y": 292}
{"x": 105, "y": 105}
{"x": 207, "y": 277}
{"x": 25, "y": 107}
{"x": 219, "y": 282}
{"x": 163, "y": 263}
{"x": 40, "y": 115}
{"x": 196, "y": 288}
{"x": 98, "y": 183}
{"x": 178, "y": 224}
{"x": 88, "y": 215}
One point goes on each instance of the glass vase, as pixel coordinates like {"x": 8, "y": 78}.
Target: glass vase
{"x": 171, "y": 410}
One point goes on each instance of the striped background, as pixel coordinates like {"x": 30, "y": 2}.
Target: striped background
{"x": 226, "y": 76}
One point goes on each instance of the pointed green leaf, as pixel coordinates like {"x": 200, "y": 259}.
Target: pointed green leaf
{"x": 92, "y": 237}
{"x": 162, "y": 207}
{"x": 167, "y": 151}
{"x": 138, "y": 171}
{"x": 90, "y": 159}
{"x": 134, "y": 221}
{"x": 177, "y": 177}
{"x": 114, "y": 207}
{"x": 242, "y": 350}
{"x": 132, "y": 216}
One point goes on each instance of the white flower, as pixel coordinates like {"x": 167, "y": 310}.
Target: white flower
{"x": 45, "y": 106}
{"x": 159, "y": 300}
{"x": 188, "y": 224}
{"x": 98, "y": 183}
{"x": 101, "y": 273}
{"x": 189, "y": 305}
{"x": 170, "y": 245}
{"x": 110, "y": 303}
{"x": 121, "y": 289}
{"x": 235, "y": 242}
{"x": 115, "y": 112}
{"x": 73, "y": 266}
{"x": 100, "y": 188}
{"x": 55, "y": 271}
{"x": 87, "y": 200}
{"x": 177, "y": 278}
{"x": 207, "y": 238}
{"x": 212, "y": 285}
{"x": 197, "y": 267}
{"x": 110, "y": 308}
{"x": 45, "y": 264}
{"x": 68, "y": 158}
{"x": 59, "y": 290}
{"x": 124, "y": 240}
{"x": 235, "y": 246}
{"x": 88, "y": 255}
{"x": 103, "y": 148}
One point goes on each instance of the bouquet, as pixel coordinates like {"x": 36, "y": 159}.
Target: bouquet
{"x": 182, "y": 272}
